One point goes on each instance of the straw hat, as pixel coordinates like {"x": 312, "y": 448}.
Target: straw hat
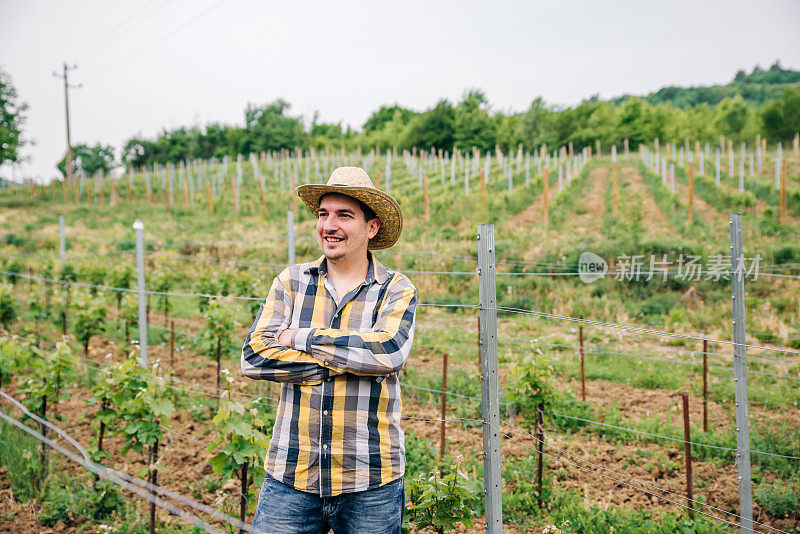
{"x": 354, "y": 182}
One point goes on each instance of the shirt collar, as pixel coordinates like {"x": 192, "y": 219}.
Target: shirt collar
{"x": 375, "y": 273}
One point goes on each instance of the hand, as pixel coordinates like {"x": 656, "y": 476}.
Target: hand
{"x": 285, "y": 338}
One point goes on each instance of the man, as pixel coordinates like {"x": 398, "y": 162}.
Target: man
{"x": 335, "y": 332}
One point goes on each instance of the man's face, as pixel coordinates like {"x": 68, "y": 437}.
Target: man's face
{"x": 342, "y": 230}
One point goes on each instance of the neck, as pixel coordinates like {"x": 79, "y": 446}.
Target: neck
{"x": 349, "y": 268}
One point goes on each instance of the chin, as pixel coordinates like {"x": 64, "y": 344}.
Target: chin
{"x": 333, "y": 255}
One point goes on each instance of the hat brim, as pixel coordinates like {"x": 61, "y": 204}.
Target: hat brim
{"x": 385, "y": 207}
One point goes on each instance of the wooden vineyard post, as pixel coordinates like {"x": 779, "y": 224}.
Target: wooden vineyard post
{"x": 209, "y": 198}
{"x": 442, "y": 438}
{"x": 597, "y": 147}
{"x": 235, "y": 196}
{"x": 697, "y": 153}
{"x": 539, "y": 447}
{"x": 426, "y": 198}
{"x": 615, "y": 189}
{"x": 782, "y": 212}
{"x": 186, "y": 194}
{"x": 148, "y": 189}
{"x": 483, "y": 189}
{"x": 705, "y": 385}
{"x": 130, "y": 189}
{"x": 166, "y": 195}
{"x": 583, "y": 376}
{"x": 262, "y": 195}
{"x": 688, "y": 450}
{"x": 113, "y": 193}
{"x": 545, "y": 210}
{"x": 691, "y": 192}
{"x": 171, "y": 347}
{"x": 64, "y": 189}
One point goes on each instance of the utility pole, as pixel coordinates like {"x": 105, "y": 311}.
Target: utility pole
{"x": 67, "y": 86}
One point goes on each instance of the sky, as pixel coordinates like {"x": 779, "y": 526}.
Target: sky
{"x": 146, "y": 65}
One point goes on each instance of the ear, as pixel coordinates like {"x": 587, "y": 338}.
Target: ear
{"x": 373, "y": 226}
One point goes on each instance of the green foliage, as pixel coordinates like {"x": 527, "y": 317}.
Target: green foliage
{"x": 567, "y": 509}
{"x": 120, "y": 277}
{"x": 48, "y": 375}
{"x": 781, "y": 117}
{"x": 129, "y": 310}
{"x": 421, "y": 456}
{"x": 521, "y": 497}
{"x": 12, "y": 117}
{"x": 442, "y": 499}
{"x": 13, "y": 266}
{"x": 220, "y": 324}
{"x": 72, "y": 505}
{"x": 13, "y": 355}
{"x": 8, "y": 307}
{"x": 89, "y": 159}
{"x": 18, "y": 455}
{"x": 473, "y": 126}
{"x": 529, "y": 386}
{"x": 242, "y": 436}
{"x": 243, "y": 440}
{"x": 141, "y": 401}
{"x": 90, "y": 314}
{"x": 779, "y": 499}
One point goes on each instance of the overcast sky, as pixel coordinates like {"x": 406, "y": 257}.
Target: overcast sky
{"x": 152, "y": 64}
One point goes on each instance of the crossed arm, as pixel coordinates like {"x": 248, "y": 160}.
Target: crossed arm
{"x": 273, "y": 351}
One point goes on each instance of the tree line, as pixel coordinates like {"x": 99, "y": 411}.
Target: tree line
{"x": 671, "y": 114}
{"x": 472, "y": 123}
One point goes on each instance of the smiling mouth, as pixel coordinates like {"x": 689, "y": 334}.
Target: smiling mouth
{"x": 332, "y": 239}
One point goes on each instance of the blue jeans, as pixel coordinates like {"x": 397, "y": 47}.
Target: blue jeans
{"x": 284, "y": 510}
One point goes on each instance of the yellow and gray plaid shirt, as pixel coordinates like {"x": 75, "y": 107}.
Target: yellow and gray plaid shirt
{"x": 337, "y": 428}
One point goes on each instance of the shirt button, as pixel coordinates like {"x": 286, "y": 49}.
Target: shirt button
{"x": 324, "y": 412}
{"x": 325, "y": 447}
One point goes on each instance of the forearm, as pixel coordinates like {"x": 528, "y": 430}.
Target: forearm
{"x": 361, "y": 353}
{"x": 276, "y": 363}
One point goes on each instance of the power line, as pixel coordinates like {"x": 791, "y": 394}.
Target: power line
{"x": 109, "y": 36}
{"x": 157, "y": 41}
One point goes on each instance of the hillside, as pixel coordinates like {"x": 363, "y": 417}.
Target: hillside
{"x": 755, "y": 88}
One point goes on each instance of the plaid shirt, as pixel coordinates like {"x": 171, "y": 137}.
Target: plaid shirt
{"x": 337, "y": 428}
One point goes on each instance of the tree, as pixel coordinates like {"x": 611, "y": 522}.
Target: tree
{"x": 269, "y": 128}
{"x": 731, "y": 117}
{"x": 12, "y": 117}
{"x": 89, "y": 159}
{"x": 473, "y": 126}
{"x": 534, "y": 124}
{"x": 781, "y": 118}
{"x": 379, "y": 118}
{"x": 433, "y": 128}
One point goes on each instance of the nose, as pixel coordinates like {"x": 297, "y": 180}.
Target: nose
{"x": 329, "y": 225}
